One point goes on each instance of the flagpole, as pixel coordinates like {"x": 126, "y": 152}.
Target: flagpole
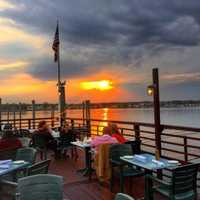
{"x": 59, "y": 79}
{"x": 61, "y": 88}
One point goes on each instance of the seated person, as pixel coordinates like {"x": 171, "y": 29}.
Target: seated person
{"x": 45, "y": 133}
{"x": 104, "y": 139}
{"x": 116, "y": 133}
{"x": 66, "y": 137}
{"x": 9, "y": 141}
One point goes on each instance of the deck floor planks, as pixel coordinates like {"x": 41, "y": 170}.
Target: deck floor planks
{"x": 78, "y": 187}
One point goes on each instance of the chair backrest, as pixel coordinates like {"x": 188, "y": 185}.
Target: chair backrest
{"x": 118, "y": 150}
{"x": 39, "y": 168}
{"x": 27, "y": 154}
{"x": 135, "y": 145}
{"x": 184, "y": 179}
{"x": 66, "y": 139}
{"x": 41, "y": 187}
{"x": 8, "y": 154}
{"x": 25, "y": 141}
{"x": 24, "y": 133}
{"x": 39, "y": 141}
{"x": 7, "y": 126}
{"x": 121, "y": 196}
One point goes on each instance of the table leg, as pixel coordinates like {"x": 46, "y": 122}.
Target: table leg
{"x": 88, "y": 168}
{"x": 148, "y": 186}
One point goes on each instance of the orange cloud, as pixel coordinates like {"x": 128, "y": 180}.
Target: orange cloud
{"x": 4, "y": 65}
{"x": 11, "y": 33}
{"x": 28, "y": 88}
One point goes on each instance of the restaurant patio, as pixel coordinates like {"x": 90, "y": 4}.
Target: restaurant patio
{"x": 77, "y": 186}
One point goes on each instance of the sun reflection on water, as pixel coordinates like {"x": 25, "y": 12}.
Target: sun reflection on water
{"x": 105, "y": 117}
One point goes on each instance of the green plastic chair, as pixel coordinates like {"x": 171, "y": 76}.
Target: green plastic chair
{"x": 120, "y": 168}
{"x": 25, "y": 141}
{"x": 27, "y": 154}
{"x": 41, "y": 145}
{"x": 121, "y": 196}
{"x": 183, "y": 184}
{"x": 8, "y": 154}
{"x": 40, "y": 187}
{"x": 39, "y": 168}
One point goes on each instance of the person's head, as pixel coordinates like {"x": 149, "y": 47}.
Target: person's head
{"x": 114, "y": 128}
{"x": 8, "y": 134}
{"x": 106, "y": 130}
{"x": 42, "y": 125}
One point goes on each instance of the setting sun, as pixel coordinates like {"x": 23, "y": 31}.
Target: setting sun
{"x": 97, "y": 85}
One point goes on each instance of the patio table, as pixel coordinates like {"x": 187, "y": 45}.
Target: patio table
{"x": 149, "y": 164}
{"x": 12, "y": 168}
{"x": 87, "y": 170}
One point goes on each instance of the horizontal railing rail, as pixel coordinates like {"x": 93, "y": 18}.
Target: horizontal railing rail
{"x": 177, "y": 142}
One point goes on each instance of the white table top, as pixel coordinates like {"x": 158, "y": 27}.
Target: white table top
{"x": 81, "y": 144}
{"x": 149, "y": 162}
{"x": 55, "y": 134}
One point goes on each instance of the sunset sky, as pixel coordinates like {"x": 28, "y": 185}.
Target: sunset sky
{"x": 114, "y": 41}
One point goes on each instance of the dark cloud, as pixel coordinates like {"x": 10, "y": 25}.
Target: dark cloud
{"x": 96, "y": 33}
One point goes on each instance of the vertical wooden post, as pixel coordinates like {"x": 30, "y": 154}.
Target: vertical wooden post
{"x": 156, "y": 97}
{"x": 52, "y": 116}
{"x": 33, "y": 114}
{"x": 14, "y": 118}
{"x": 72, "y": 124}
{"x": 8, "y": 116}
{"x": 0, "y": 113}
{"x": 185, "y": 149}
{"x": 29, "y": 123}
{"x": 62, "y": 103}
{"x": 137, "y": 132}
{"x": 83, "y": 110}
{"x": 88, "y": 117}
{"x": 20, "y": 116}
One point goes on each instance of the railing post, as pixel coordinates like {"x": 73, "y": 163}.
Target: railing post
{"x": 83, "y": 112}
{"x": 29, "y": 123}
{"x": 8, "y": 116}
{"x": 157, "y": 112}
{"x": 52, "y": 116}
{"x": 72, "y": 124}
{"x": 122, "y": 131}
{"x": 88, "y": 117}
{"x": 14, "y": 118}
{"x": 20, "y": 116}
{"x": 137, "y": 132}
{"x": 0, "y": 112}
{"x": 185, "y": 149}
{"x": 33, "y": 113}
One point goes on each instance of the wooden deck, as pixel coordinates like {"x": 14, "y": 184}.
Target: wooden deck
{"x": 77, "y": 187}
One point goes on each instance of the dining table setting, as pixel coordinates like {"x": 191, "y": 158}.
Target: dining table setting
{"x": 10, "y": 166}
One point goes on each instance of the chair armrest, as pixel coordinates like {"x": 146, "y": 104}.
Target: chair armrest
{"x": 161, "y": 182}
{"x": 8, "y": 188}
{"x": 8, "y": 183}
{"x": 116, "y": 163}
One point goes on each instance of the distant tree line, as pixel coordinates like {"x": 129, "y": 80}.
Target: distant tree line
{"x": 142, "y": 104}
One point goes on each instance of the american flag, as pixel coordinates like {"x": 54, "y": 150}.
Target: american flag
{"x": 56, "y": 43}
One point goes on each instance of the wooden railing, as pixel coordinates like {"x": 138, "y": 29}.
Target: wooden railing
{"x": 30, "y": 123}
{"x": 177, "y": 142}
{"x": 182, "y": 143}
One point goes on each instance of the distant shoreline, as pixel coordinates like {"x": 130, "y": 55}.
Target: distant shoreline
{"x": 115, "y": 105}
